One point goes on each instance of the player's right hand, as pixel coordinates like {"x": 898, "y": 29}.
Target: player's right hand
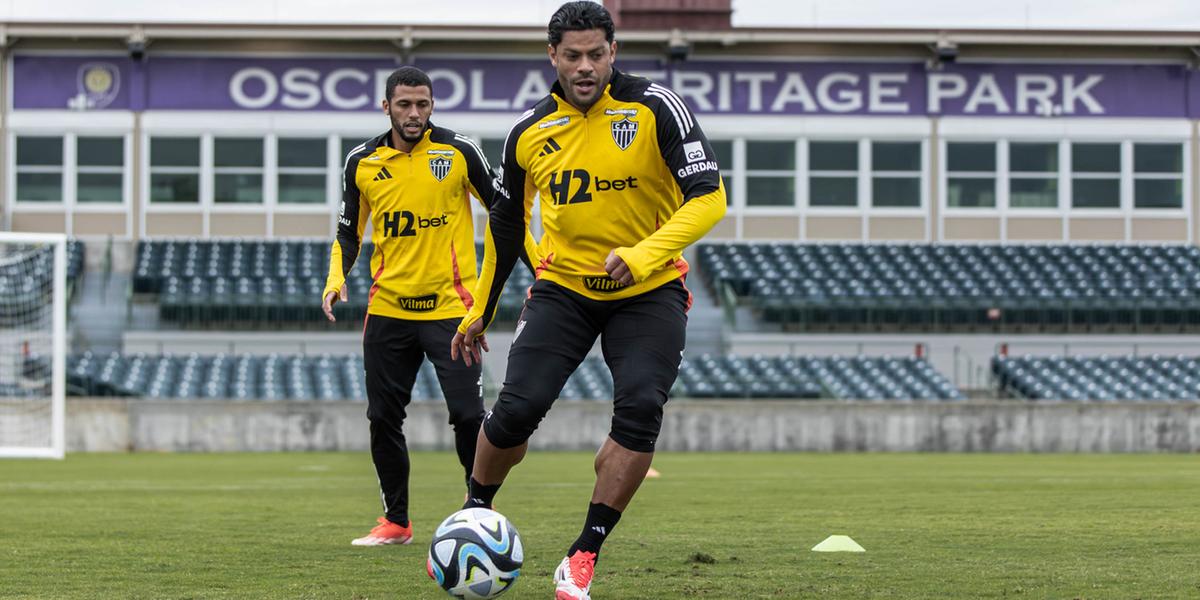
{"x": 471, "y": 345}
{"x": 330, "y": 299}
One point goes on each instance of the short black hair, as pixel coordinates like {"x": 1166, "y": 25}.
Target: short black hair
{"x": 582, "y": 15}
{"x": 408, "y": 76}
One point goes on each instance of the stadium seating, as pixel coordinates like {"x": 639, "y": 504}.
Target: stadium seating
{"x": 260, "y": 284}
{"x": 331, "y": 378}
{"x": 1106, "y": 378}
{"x": 940, "y": 287}
{"x": 800, "y": 377}
{"x": 27, "y": 285}
{"x": 812, "y": 377}
{"x": 227, "y": 376}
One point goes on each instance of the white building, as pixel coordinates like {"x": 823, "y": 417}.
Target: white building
{"x": 231, "y": 119}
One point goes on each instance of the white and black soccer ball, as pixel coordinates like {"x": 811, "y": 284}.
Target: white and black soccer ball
{"x": 475, "y": 553}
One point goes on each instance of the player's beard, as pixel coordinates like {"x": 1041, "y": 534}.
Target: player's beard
{"x": 398, "y": 127}
{"x": 582, "y": 103}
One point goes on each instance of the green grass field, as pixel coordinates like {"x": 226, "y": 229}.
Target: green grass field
{"x": 713, "y": 526}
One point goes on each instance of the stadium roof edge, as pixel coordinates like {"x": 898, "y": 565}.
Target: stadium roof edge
{"x": 1041, "y": 37}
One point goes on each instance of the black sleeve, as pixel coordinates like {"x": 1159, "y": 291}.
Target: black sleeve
{"x": 348, "y": 235}
{"x": 482, "y": 180}
{"x": 479, "y": 172}
{"x": 506, "y": 222}
{"x": 683, "y": 144}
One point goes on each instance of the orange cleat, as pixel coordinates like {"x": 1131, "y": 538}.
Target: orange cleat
{"x": 385, "y": 533}
{"x": 573, "y": 577}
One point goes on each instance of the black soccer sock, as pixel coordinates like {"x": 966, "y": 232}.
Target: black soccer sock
{"x": 479, "y": 495}
{"x": 601, "y": 519}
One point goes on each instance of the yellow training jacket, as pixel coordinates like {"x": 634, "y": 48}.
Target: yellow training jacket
{"x": 423, "y": 264}
{"x": 635, "y": 174}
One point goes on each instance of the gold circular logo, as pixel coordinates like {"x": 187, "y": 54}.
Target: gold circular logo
{"x": 97, "y": 80}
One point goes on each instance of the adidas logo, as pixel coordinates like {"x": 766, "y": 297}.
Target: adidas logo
{"x": 383, "y": 174}
{"x": 600, "y": 530}
{"x": 550, "y": 148}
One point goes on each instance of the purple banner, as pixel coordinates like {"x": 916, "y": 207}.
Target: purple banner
{"x": 71, "y": 82}
{"x": 709, "y": 87}
{"x": 1194, "y": 94}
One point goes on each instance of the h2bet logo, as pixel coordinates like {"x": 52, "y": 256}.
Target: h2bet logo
{"x": 562, "y": 182}
{"x": 402, "y": 223}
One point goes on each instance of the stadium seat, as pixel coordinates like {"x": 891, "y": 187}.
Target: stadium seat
{"x": 1099, "y": 378}
{"x": 932, "y": 287}
{"x": 263, "y": 283}
{"x": 326, "y": 378}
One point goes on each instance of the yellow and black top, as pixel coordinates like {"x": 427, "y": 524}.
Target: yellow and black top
{"x": 424, "y": 258}
{"x": 635, "y": 174}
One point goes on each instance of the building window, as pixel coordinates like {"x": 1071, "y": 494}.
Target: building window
{"x": 302, "y": 170}
{"x": 175, "y": 170}
{"x": 100, "y": 169}
{"x": 724, "y": 157}
{"x": 39, "y": 169}
{"x": 493, "y": 150}
{"x": 1158, "y": 176}
{"x": 971, "y": 175}
{"x": 238, "y": 170}
{"x": 1033, "y": 175}
{"x": 833, "y": 174}
{"x": 896, "y": 174}
{"x": 1095, "y": 175}
{"x": 348, "y": 143}
{"x": 770, "y": 173}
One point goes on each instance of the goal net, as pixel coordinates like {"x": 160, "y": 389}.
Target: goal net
{"x": 33, "y": 315}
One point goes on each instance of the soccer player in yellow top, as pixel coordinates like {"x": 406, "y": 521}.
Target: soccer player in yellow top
{"x": 627, "y": 180}
{"x": 413, "y": 181}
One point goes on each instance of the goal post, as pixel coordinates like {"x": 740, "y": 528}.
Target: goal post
{"x": 33, "y": 329}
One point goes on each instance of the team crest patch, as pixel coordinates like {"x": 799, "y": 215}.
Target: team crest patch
{"x": 440, "y": 167}
{"x": 623, "y": 132}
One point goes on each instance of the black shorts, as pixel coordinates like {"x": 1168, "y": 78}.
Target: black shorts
{"x": 642, "y": 338}
{"x": 393, "y": 350}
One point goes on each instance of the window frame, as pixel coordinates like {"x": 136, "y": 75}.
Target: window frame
{"x": 203, "y": 182}
{"x": 922, "y": 176}
{"x": 799, "y": 196}
{"x": 999, "y": 189}
{"x": 61, "y": 169}
{"x": 1072, "y": 175}
{"x": 1055, "y": 176}
{"x": 121, "y": 170}
{"x": 267, "y": 141}
{"x": 1182, "y": 176}
{"x": 856, "y": 175}
{"x": 70, "y": 170}
{"x": 326, "y": 170}
{"x": 1065, "y": 211}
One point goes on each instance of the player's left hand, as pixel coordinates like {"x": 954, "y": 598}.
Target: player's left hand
{"x": 472, "y": 349}
{"x": 617, "y": 269}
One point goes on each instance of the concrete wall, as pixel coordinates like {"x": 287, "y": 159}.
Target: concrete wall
{"x": 769, "y": 425}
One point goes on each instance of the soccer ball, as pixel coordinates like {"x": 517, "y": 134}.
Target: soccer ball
{"x": 475, "y": 553}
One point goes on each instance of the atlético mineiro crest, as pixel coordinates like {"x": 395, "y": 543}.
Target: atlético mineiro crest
{"x": 440, "y": 167}
{"x": 623, "y": 132}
